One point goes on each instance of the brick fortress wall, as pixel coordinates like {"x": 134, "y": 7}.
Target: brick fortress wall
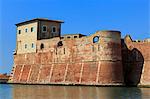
{"x": 72, "y": 61}
{"x": 136, "y": 61}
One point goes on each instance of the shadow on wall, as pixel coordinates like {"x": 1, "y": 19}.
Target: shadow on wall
{"x": 133, "y": 61}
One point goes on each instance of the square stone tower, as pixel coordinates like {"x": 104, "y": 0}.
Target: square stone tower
{"x": 30, "y": 31}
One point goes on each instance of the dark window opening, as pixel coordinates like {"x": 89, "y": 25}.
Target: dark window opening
{"x": 42, "y": 46}
{"x": 75, "y": 36}
{"x": 25, "y": 45}
{"x": 44, "y": 29}
{"x": 32, "y": 45}
{"x": 59, "y": 44}
{"x": 54, "y": 29}
{"x": 56, "y": 51}
{"x": 68, "y": 37}
{"x": 95, "y": 39}
{"x": 61, "y": 37}
{"x": 31, "y": 29}
{"x": 64, "y": 50}
{"x": 26, "y": 30}
{"x": 19, "y": 32}
{"x": 98, "y": 47}
{"x": 93, "y": 48}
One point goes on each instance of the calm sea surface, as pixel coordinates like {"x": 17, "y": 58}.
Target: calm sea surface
{"x": 71, "y": 92}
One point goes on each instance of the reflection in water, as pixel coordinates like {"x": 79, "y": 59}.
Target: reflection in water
{"x": 71, "y": 92}
{"x": 5, "y": 91}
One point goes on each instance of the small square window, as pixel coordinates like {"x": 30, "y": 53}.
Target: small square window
{"x": 32, "y": 29}
{"x": 19, "y": 32}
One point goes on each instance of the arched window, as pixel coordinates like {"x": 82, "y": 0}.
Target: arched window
{"x": 32, "y": 45}
{"x": 25, "y": 45}
{"x": 95, "y": 39}
{"x": 64, "y": 51}
{"x": 59, "y": 44}
{"x": 42, "y": 46}
{"x": 26, "y": 30}
{"x": 32, "y": 29}
{"x": 44, "y": 28}
{"x": 75, "y": 36}
{"x": 19, "y": 31}
{"x": 54, "y": 29}
{"x": 68, "y": 37}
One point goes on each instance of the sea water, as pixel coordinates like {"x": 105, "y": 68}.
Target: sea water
{"x": 8, "y": 91}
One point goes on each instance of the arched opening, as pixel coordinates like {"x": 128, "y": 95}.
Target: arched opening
{"x": 54, "y": 29}
{"x": 42, "y": 46}
{"x": 44, "y": 28}
{"x": 32, "y": 45}
{"x": 32, "y": 29}
{"x": 59, "y": 44}
{"x": 25, "y": 45}
{"x": 95, "y": 39}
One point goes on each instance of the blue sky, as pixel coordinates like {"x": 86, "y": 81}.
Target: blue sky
{"x": 80, "y": 16}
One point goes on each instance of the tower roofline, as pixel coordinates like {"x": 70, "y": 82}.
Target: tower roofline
{"x": 38, "y": 19}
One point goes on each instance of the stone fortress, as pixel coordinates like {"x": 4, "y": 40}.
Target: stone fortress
{"x": 44, "y": 56}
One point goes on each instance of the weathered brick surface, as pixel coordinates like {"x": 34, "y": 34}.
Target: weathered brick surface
{"x": 146, "y": 74}
{"x": 30, "y": 59}
{"x": 58, "y": 73}
{"x": 89, "y": 72}
{"x": 34, "y": 73}
{"x": 73, "y": 73}
{"x": 136, "y": 61}
{"x": 110, "y": 72}
{"x": 45, "y": 73}
{"x": 25, "y": 73}
{"x": 17, "y": 73}
{"x": 46, "y": 58}
{"x": 19, "y": 59}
